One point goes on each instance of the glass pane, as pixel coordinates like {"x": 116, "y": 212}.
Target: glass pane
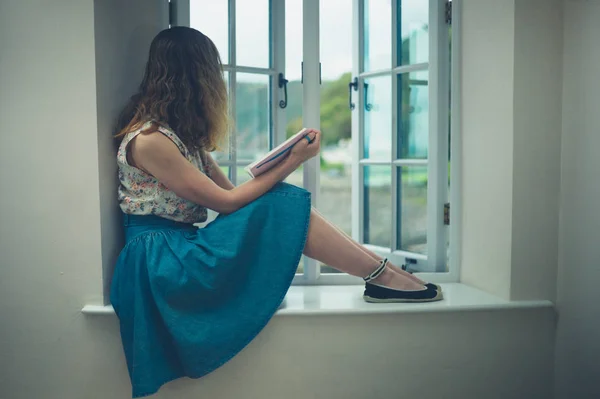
{"x": 225, "y": 170}
{"x": 412, "y": 209}
{"x": 378, "y": 118}
{"x": 222, "y": 154}
{"x": 377, "y": 205}
{"x": 335, "y": 196}
{"x": 252, "y": 33}
{"x": 242, "y": 175}
{"x": 413, "y": 41}
{"x": 252, "y": 116}
{"x": 293, "y": 73}
{"x": 300, "y": 269}
{"x": 377, "y": 35}
{"x": 413, "y": 112}
{"x": 296, "y": 178}
{"x": 211, "y": 17}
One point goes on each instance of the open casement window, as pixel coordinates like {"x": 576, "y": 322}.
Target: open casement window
{"x": 400, "y": 130}
{"x": 278, "y": 65}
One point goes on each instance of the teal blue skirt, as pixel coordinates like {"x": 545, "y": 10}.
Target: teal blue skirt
{"x": 189, "y": 299}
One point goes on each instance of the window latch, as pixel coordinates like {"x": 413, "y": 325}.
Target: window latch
{"x": 368, "y": 107}
{"x": 283, "y": 83}
{"x": 352, "y": 85}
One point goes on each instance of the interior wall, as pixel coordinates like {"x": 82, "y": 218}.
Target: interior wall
{"x": 123, "y": 33}
{"x": 50, "y": 256}
{"x": 487, "y": 91}
{"x": 578, "y": 343}
{"x": 428, "y": 355}
{"x": 537, "y": 114}
{"x": 511, "y": 125}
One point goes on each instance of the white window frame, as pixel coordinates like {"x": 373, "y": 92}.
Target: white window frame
{"x": 439, "y": 79}
{"x": 433, "y": 265}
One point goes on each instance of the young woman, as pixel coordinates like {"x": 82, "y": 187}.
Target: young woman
{"x": 190, "y": 299}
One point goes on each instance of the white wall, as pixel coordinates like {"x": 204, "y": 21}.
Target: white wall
{"x": 537, "y": 130}
{"x": 511, "y": 117}
{"x": 49, "y": 205}
{"x": 123, "y": 32}
{"x": 430, "y": 356}
{"x": 487, "y": 122}
{"x": 578, "y": 337}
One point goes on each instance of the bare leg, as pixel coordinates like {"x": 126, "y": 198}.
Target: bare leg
{"x": 325, "y": 243}
{"x": 372, "y": 254}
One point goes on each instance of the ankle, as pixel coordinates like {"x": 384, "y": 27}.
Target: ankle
{"x": 384, "y": 279}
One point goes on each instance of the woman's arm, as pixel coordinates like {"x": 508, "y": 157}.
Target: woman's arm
{"x": 159, "y": 156}
{"x": 217, "y": 174}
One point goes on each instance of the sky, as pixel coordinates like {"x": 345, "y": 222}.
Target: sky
{"x": 211, "y": 18}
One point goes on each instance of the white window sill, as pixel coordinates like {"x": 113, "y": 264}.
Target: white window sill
{"x": 347, "y": 299}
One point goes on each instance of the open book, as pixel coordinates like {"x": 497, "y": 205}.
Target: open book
{"x": 275, "y": 156}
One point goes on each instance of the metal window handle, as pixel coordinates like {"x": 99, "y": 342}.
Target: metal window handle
{"x": 368, "y": 106}
{"x": 283, "y": 83}
{"x": 352, "y": 85}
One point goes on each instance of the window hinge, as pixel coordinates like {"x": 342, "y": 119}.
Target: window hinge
{"x": 448, "y": 12}
{"x": 302, "y": 73}
{"x": 447, "y": 214}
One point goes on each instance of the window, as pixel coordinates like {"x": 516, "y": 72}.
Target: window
{"x": 375, "y": 77}
{"x": 400, "y": 134}
{"x": 244, "y": 33}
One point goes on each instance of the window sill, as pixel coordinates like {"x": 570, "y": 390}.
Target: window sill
{"x": 347, "y": 299}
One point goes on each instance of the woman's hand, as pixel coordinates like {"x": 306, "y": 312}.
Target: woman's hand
{"x": 303, "y": 150}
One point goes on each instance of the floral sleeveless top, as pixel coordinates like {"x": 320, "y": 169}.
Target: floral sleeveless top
{"x": 141, "y": 194}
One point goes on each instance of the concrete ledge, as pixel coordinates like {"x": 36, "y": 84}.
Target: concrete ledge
{"x": 347, "y": 299}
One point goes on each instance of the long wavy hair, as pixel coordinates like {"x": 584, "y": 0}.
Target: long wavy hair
{"x": 183, "y": 87}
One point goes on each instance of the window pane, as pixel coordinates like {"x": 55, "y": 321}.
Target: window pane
{"x": 413, "y": 41}
{"x": 225, "y": 170}
{"x": 222, "y": 154}
{"x": 378, "y": 118}
{"x": 293, "y": 73}
{"x": 211, "y": 17}
{"x": 413, "y": 115}
{"x": 412, "y": 209}
{"x": 252, "y": 116}
{"x": 242, "y": 175}
{"x": 296, "y": 177}
{"x": 300, "y": 269}
{"x": 377, "y": 35}
{"x": 252, "y": 33}
{"x": 335, "y": 196}
{"x": 377, "y": 205}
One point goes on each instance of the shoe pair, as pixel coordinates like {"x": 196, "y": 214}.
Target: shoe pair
{"x": 378, "y": 294}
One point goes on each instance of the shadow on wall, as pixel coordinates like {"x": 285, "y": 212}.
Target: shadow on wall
{"x": 122, "y": 38}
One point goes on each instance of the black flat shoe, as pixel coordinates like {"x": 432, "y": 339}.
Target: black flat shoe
{"x": 379, "y": 294}
{"x": 434, "y": 286}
